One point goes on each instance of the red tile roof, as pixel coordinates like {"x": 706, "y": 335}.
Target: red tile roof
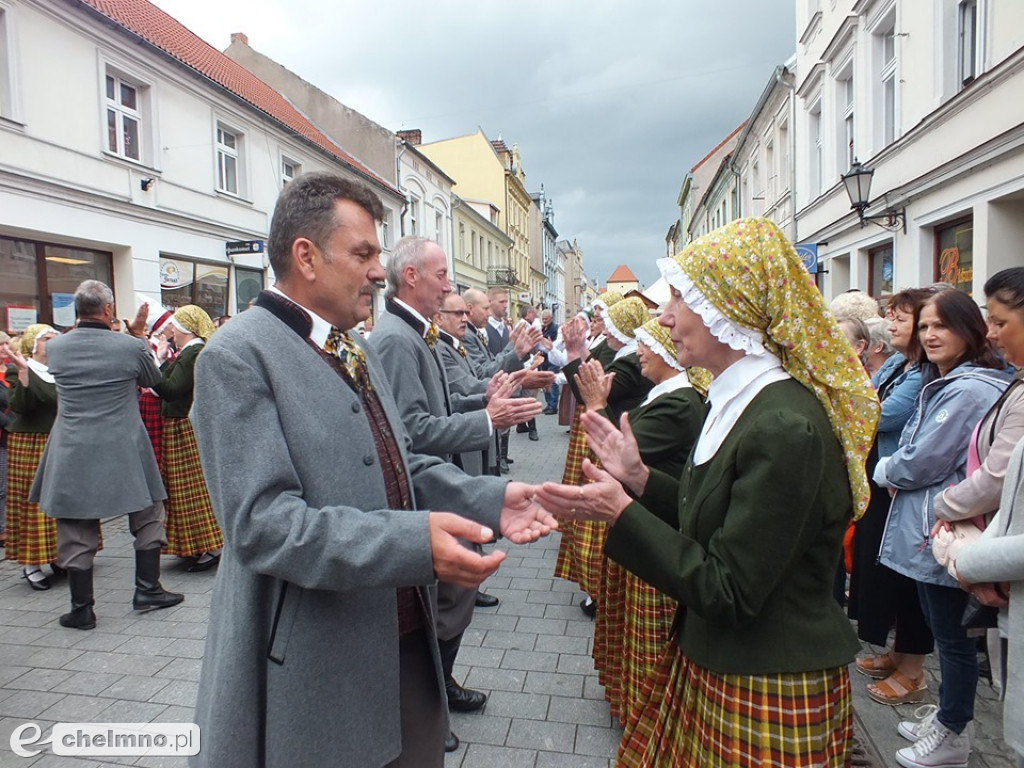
{"x": 720, "y": 144}
{"x": 153, "y": 25}
{"x": 622, "y": 274}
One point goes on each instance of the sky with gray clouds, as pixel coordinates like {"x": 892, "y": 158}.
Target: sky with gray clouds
{"x": 611, "y": 103}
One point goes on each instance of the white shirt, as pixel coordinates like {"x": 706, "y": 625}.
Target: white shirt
{"x": 321, "y": 328}
{"x": 679, "y": 381}
{"x": 730, "y": 394}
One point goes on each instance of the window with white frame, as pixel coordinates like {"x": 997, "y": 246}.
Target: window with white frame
{"x": 887, "y": 50}
{"x": 385, "y": 230}
{"x": 462, "y": 241}
{"x": 439, "y": 228}
{"x": 414, "y": 215}
{"x": 784, "y": 159}
{"x": 229, "y": 159}
{"x": 124, "y": 115}
{"x": 845, "y": 135}
{"x": 769, "y": 169}
{"x": 289, "y": 169}
{"x": 967, "y": 40}
{"x": 817, "y": 147}
{"x": 7, "y": 60}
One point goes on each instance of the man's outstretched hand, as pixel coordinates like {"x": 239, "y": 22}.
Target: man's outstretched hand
{"x": 523, "y": 519}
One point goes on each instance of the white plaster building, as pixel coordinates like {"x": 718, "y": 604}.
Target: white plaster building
{"x": 931, "y": 96}
{"x": 132, "y": 152}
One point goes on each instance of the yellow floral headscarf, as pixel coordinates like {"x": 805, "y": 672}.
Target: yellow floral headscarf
{"x": 607, "y": 299}
{"x": 28, "y": 338}
{"x": 750, "y": 274}
{"x": 624, "y": 317}
{"x": 657, "y": 338}
{"x": 194, "y": 320}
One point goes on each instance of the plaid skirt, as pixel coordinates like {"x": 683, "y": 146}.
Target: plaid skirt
{"x": 647, "y": 628}
{"x": 149, "y": 409}
{"x": 190, "y": 524}
{"x": 609, "y": 630}
{"x": 565, "y": 565}
{"x": 31, "y": 535}
{"x": 694, "y": 717}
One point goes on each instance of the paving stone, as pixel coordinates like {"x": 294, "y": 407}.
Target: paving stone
{"x": 567, "y": 709}
{"x": 134, "y": 688}
{"x": 529, "y": 610}
{"x": 530, "y": 660}
{"x": 554, "y": 760}
{"x": 494, "y": 621}
{"x": 180, "y": 693}
{"x": 600, "y": 742}
{"x": 554, "y": 683}
{"x": 484, "y": 756}
{"x": 495, "y": 679}
{"x": 87, "y": 683}
{"x": 73, "y": 709}
{"x": 95, "y": 661}
{"x": 40, "y": 679}
{"x": 480, "y": 727}
{"x": 561, "y": 644}
{"x": 575, "y": 664}
{"x": 549, "y": 598}
{"x": 531, "y": 706}
{"x": 546, "y": 736}
{"x": 521, "y": 641}
{"x": 28, "y": 704}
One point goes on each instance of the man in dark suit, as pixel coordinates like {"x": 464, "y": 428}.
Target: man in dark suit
{"x": 321, "y": 648}
{"x": 549, "y": 330}
{"x": 439, "y": 421}
{"x": 97, "y": 373}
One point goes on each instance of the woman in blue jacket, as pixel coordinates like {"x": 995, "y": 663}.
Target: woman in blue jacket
{"x": 960, "y": 381}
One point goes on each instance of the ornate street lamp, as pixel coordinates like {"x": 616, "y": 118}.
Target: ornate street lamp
{"x": 858, "y": 187}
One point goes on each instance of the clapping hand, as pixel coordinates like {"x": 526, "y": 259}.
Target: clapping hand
{"x": 601, "y": 500}
{"x": 617, "y": 450}
{"x": 523, "y": 519}
{"x": 594, "y": 385}
{"x": 453, "y": 563}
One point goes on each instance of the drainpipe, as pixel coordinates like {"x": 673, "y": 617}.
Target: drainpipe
{"x": 398, "y": 183}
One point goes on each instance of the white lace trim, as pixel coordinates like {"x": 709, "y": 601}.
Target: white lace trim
{"x": 655, "y": 346}
{"x": 610, "y": 327}
{"x": 628, "y": 349}
{"x": 722, "y": 328}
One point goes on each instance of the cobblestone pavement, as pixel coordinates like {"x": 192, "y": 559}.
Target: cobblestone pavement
{"x": 531, "y": 655}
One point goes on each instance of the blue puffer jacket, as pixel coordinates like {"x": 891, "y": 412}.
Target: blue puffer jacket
{"x": 931, "y": 456}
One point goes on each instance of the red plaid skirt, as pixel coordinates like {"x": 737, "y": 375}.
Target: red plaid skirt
{"x": 31, "y": 535}
{"x": 149, "y": 409}
{"x": 191, "y": 526}
{"x": 647, "y": 629}
{"x": 692, "y": 718}
{"x": 565, "y": 565}
{"x": 609, "y": 628}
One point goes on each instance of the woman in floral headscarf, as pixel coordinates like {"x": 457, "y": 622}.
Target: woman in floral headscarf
{"x": 31, "y": 535}
{"x": 192, "y": 530}
{"x": 749, "y": 538}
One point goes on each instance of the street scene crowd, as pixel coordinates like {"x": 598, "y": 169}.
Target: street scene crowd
{"x": 756, "y": 483}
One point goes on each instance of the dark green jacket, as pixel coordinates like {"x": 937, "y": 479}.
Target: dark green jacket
{"x": 34, "y": 407}
{"x": 179, "y": 380}
{"x": 603, "y": 352}
{"x": 629, "y": 387}
{"x": 749, "y": 542}
{"x": 667, "y": 428}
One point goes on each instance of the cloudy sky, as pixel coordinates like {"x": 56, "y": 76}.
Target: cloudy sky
{"x": 611, "y": 103}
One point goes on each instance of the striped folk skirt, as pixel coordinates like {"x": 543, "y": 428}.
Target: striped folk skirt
{"x": 649, "y": 616}
{"x": 31, "y": 535}
{"x": 693, "y": 718}
{"x": 609, "y": 632}
{"x": 190, "y": 524}
{"x": 565, "y": 565}
{"x": 149, "y": 409}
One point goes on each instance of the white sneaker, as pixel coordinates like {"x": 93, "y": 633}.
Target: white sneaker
{"x": 939, "y": 748}
{"x": 912, "y": 730}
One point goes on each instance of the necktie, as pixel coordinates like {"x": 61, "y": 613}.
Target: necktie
{"x": 351, "y": 356}
{"x": 432, "y": 335}
{"x": 462, "y": 350}
{"x": 483, "y": 335}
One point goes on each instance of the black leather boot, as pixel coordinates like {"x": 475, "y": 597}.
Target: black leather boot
{"x": 81, "y": 615}
{"x": 503, "y": 467}
{"x": 149, "y": 595}
{"x": 531, "y": 427}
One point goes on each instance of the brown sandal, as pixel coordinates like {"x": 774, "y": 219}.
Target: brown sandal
{"x": 877, "y": 667}
{"x": 897, "y": 688}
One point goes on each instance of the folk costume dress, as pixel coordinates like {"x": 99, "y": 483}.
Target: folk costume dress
{"x": 31, "y": 535}
{"x": 190, "y": 525}
{"x": 748, "y": 539}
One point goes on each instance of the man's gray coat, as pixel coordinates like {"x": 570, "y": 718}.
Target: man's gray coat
{"x": 301, "y": 664}
{"x": 98, "y": 461}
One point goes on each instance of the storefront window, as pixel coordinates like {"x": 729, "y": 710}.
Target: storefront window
{"x": 38, "y": 281}
{"x": 248, "y": 284}
{"x": 954, "y": 261}
{"x": 880, "y": 262}
{"x": 189, "y": 282}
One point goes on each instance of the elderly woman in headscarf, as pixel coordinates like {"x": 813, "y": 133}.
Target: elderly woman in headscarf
{"x": 31, "y": 535}
{"x": 192, "y": 530}
{"x": 635, "y": 619}
{"x": 748, "y": 539}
